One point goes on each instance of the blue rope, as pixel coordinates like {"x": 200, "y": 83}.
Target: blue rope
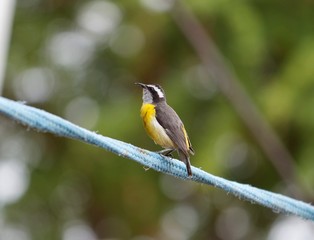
{"x": 46, "y": 122}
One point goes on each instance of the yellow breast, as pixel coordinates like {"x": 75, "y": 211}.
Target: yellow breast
{"x": 153, "y": 128}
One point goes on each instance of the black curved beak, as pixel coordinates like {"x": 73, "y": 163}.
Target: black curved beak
{"x": 140, "y": 84}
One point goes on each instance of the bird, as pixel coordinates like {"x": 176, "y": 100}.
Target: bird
{"x": 163, "y": 125}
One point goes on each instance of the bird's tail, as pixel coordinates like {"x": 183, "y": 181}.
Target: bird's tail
{"x": 184, "y": 157}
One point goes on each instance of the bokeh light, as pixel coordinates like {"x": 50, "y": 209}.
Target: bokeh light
{"x": 83, "y": 111}
{"x": 78, "y": 230}
{"x": 99, "y": 17}
{"x": 291, "y": 228}
{"x": 14, "y": 232}
{"x": 179, "y": 223}
{"x": 158, "y": 5}
{"x": 176, "y": 189}
{"x": 233, "y": 224}
{"x": 199, "y": 84}
{"x": 35, "y": 85}
{"x": 14, "y": 180}
{"x": 127, "y": 41}
{"x": 70, "y": 49}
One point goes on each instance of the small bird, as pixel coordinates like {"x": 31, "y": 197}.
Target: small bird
{"x": 163, "y": 124}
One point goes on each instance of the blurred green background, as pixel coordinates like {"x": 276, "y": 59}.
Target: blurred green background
{"x": 80, "y": 59}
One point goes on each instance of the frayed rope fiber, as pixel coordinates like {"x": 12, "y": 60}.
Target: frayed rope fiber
{"x": 47, "y": 122}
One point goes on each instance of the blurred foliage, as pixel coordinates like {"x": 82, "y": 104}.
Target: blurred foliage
{"x": 80, "y": 59}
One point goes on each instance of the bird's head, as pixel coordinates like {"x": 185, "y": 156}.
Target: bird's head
{"x": 152, "y": 93}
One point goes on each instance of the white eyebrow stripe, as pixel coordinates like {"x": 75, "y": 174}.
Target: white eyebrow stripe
{"x": 159, "y": 92}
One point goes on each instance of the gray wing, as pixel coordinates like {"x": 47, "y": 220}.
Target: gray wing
{"x": 173, "y": 126}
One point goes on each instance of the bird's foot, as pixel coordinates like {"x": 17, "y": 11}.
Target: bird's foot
{"x": 166, "y": 152}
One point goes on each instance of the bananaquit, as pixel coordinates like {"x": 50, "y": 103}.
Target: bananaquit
{"x": 163, "y": 124}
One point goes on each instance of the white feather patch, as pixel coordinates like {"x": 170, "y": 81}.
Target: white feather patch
{"x": 158, "y": 91}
